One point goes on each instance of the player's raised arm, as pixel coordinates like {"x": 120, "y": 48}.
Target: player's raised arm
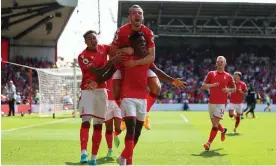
{"x": 166, "y": 78}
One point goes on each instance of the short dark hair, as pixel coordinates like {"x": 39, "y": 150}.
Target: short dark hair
{"x": 134, "y": 6}
{"x": 135, "y": 35}
{"x": 88, "y": 32}
{"x": 239, "y": 73}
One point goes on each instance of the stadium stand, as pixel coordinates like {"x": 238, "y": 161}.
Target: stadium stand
{"x": 29, "y": 35}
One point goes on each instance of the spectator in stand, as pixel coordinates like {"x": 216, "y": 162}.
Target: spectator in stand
{"x": 11, "y": 97}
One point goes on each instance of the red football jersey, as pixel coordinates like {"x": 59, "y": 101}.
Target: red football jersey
{"x": 123, "y": 33}
{"x": 134, "y": 81}
{"x": 88, "y": 59}
{"x": 217, "y": 96}
{"x": 237, "y": 97}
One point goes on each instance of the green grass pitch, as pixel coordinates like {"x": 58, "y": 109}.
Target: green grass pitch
{"x": 171, "y": 141}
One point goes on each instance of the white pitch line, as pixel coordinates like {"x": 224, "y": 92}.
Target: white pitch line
{"x": 31, "y": 126}
{"x": 184, "y": 118}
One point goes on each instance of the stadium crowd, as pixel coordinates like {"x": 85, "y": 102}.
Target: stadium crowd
{"x": 257, "y": 65}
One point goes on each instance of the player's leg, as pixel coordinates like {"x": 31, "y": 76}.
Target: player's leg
{"x": 96, "y": 139}
{"x": 99, "y": 105}
{"x": 128, "y": 107}
{"x": 252, "y": 110}
{"x": 231, "y": 110}
{"x": 109, "y": 136}
{"x": 216, "y": 113}
{"x": 238, "y": 117}
{"x": 155, "y": 89}
{"x": 84, "y": 135}
{"x": 117, "y": 116}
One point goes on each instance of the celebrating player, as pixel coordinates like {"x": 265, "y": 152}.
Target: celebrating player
{"x": 220, "y": 84}
{"x": 236, "y": 99}
{"x": 121, "y": 44}
{"x": 93, "y": 102}
{"x": 133, "y": 92}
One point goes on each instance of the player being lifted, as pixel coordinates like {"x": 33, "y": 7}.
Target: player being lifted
{"x": 236, "y": 99}
{"x": 121, "y": 44}
{"x": 220, "y": 84}
{"x": 95, "y": 68}
{"x": 133, "y": 92}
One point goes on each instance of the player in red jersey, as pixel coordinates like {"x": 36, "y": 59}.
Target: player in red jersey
{"x": 133, "y": 92}
{"x": 95, "y": 68}
{"x": 220, "y": 84}
{"x": 236, "y": 99}
{"x": 121, "y": 40}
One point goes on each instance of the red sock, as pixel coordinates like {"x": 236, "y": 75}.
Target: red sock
{"x": 84, "y": 133}
{"x": 151, "y": 98}
{"x": 213, "y": 134}
{"x": 109, "y": 139}
{"x": 238, "y": 119}
{"x": 96, "y": 138}
{"x": 116, "y": 133}
{"x": 220, "y": 128}
{"x": 129, "y": 145}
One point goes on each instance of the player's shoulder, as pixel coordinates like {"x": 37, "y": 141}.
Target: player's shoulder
{"x": 82, "y": 54}
{"x": 227, "y": 74}
{"x": 145, "y": 29}
{"x": 212, "y": 72}
{"x": 123, "y": 28}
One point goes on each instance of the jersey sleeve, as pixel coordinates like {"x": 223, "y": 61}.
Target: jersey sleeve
{"x": 150, "y": 39}
{"x": 208, "y": 78}
{"x": 84, "y": 62}
{"x": 117, "y": 38}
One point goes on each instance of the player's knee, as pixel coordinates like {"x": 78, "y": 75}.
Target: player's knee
{"x": 130, "y": 125}
{"x": 231, "y": 113}
{"x": 86, "y": 118}
{"x": 85, "y": 124}
{"x": 97, "y": 121}
{"x": 109, "y": 127}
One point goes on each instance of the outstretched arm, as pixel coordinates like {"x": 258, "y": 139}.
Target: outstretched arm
{"x": 166, "y": 78}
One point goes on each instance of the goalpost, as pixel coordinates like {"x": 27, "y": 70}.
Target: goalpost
{"x": 58, "y": 91}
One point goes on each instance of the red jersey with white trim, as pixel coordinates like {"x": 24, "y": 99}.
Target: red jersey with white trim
{"x": 134, "y": 81}
{"x": 217, "y": 96}
{"x": 88, "y": 59}
{"x": 110, "y": 89}
{"x": 237, "y": 97}
{"x": 123, "y": 33}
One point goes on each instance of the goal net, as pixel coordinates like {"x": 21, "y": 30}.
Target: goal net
{"x": 58, "y": 91}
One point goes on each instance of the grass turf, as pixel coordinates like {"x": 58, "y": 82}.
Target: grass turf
{"x": 172, "y": 140}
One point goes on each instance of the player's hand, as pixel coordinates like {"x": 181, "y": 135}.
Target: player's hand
{"x": 179, "y": 84}
{"x": 130, "y": 64}
{"x": 91, "y": 85}
{"x": 216, "y": 84}
{"x": 117, "y": 59}
{"x": 127, "y": 50}
{"x": 240, "y": 90}
{"x": 225, "y": 90}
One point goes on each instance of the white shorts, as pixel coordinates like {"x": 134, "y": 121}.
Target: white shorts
{"x": 216, "y": 110}
{"x": 136, "y": 108}
{"x": 113, "y": 111}
{"x": 93, "y": 103}
{"x": 117, "y": 75}
{"x": 236, "y": 107}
